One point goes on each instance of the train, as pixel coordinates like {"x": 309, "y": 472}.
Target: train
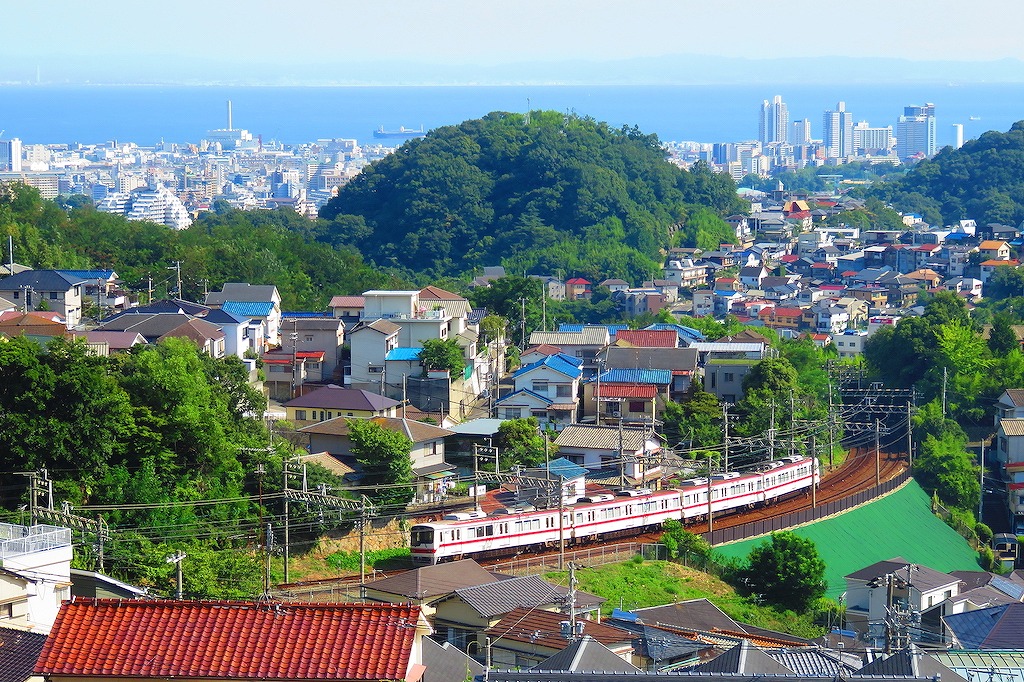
{"x": 506, "y": 532}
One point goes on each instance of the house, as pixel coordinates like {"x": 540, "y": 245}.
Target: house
{"x": 47, "y": 290}
{"x": 426, "y": 585}
{"x": 1009, "y": 453}
{"x": 995, "y": 628}
{"x": 154, "y": 327}
{"x": 317, "y": 334}
{"x": 572, "y": 484}
{"x": 370, "y": 343}
{"x": 875, "y": 589}
{"x": 584, "y": 344}
{"x": 41, "y": 327}
{"x": 685, "y": 274}
{"x": 630, "y": 451}
{"x": 102, "y": 344}
{"x": 100, "y": 287}
{"x": 444, "y": 663}
{"x": 988, "y": 267}
{"x": 1010, "y": 405}
{"x": 463, "y": 616}
{"x": 994, "y": 249}
{"x": 331, "y": 401}
{"x": 348, "y": 309}
{"x": 781, "y": 317}
{"x": 535, "y": 353}
{"x": 577, "y": 288}
{"x": 724, "y": 376}
{"x": 627, "y": 395}
{"x": 107, "y": 640}
{"x": 19, "y": 650}
{"x": 234, "y": 297}
{"x": 681, "y": 362}
{"x": 751, "y": 277}
{"x": 547, "y": 389}
{"x": 614, "y": 285}
{"x": 427, "y": 454}
{"x": 524, "y": 638}
{"x": 647, "y": 338}
{"x": 850, "y": 343}
{"x": 35, "y": 575}
{"x": 288, "y": 374}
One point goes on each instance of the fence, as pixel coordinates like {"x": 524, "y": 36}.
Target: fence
{"x": 777, "y": 523}
{"x": 18, "y": 540}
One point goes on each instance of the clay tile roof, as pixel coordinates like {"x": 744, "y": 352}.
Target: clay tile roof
{"x": 542, "y": 629}
{"x": 647, "y": 338}
{"x": 230, "y": 640}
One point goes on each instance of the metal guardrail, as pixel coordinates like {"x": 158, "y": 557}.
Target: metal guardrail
{"x": 777, "y": 523}
{"x": 18, "y": 540}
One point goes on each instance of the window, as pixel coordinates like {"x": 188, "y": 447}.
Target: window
{"x": 563, "y": 391}
{"x": 728, "y": 377}
{"x": 636, "y": 406}
{"x": 513, "y": 412}
{"x": 308, "y": 338}
{"x": 300, "y": 415}
{"x": 17, "y": 294}
{"x": 375, "y": 369}
{"x": 53, "y": 295}
{"x": 540, "y": 386}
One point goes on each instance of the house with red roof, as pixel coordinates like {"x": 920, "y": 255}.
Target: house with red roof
{"x": 105, "y": 640}
{"x": 576, "y": 288}
{"x": 647, "y": 338}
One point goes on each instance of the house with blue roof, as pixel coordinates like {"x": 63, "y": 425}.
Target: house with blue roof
{"x": 547, "y": 389}
{"x": 238, "y": 295}
{"x": 629, "y": 395}
{"x": 100, "y": 287}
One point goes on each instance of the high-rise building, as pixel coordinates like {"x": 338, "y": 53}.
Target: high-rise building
{"x": 10, "y": 155}
{"x": 837, "y": 133}
{"x": 872, "y": 141}
{"x": 774, "y": 121}
{"x": 958, "y": 135}
{"x": 801, "y": 131}
{"x": 915, "y": 132}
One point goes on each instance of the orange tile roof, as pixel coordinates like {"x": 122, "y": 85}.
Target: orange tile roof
{"x": 649, "y": 338}
{"x": 230, "y": 640}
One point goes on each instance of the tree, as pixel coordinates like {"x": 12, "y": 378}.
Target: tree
{"x": 443, "y": 354}
{"x": 1002, "y": 339}
{"x": 522, "y": 442}
{"x": 785, "y": 571}
{"x": 384, "y": 457}
{"x": 682, "y": 543}
{"x": 945, "y": 466}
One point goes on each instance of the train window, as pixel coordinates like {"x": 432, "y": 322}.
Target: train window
{"x": 490, "y": 530}
{"x": 519, "y": 526}
{"x": 421, "y": 536}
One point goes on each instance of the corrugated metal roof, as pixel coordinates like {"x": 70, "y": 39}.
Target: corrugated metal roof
{"x": 248, "y": 308}
{"x": 637, "y": 376}
{"x": 627, "y": 391}
{"x": 554, "y": 362}
{"x": 602, "y": 437}
{"x": 404, "y": 354}
{"x": 1012, "y": 427}
{"x": 502, "y": 596}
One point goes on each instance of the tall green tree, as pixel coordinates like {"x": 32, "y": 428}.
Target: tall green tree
{"x": 786, "y": 571}
{"x": 383, "y": 455}
{"x": 443, "y": 354}
{"x": 521, "y": 442}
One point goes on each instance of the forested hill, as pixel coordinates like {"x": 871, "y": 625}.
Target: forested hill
{"x": 981, "y": 180}
{"x": 553, "y": 191}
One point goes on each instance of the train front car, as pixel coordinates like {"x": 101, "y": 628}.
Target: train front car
{"x": 423, "y": 544}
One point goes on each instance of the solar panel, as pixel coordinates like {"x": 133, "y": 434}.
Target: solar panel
{"x": 1008, "y": 588}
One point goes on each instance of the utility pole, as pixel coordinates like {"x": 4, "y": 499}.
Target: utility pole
{"x": 878, "y": 456}
{"x": 725, "y": 437}
{"x": 268, "y": 534}
{"x": 981, "y": 480}
{"x": 622, "y": 457}
{"x": 522, "y": 336}
{"x": 362, "y": 540}
{"x": 149, "y": 289}
{"x": 295, "y": 355}
{"x": 771, "y": 433}
{"x": 284, "y": 468}
{"x": 176, "y": 559}
{"x": 831, "y": 426}
{"x": 945, "y": 375}
{"x": 910, "y": 435}
{"x": 710, "y": 526}
{"x": 814, "y": 483}
{"x": 177, "y": 269}
{"x": 792, "y": 423}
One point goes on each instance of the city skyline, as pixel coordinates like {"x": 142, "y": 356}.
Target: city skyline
{"x": 459, "y": 41}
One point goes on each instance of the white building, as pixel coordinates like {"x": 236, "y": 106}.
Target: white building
{"x": 35, "y": 576}
{"x": 155, "y": 204}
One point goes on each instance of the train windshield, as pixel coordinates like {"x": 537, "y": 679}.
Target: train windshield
{"x": 421, "y": 535}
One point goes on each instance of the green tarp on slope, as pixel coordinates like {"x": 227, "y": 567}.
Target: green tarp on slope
{"x": 898, "y": 525}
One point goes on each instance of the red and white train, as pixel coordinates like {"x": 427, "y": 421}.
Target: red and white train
{"x": 508, "y": 531}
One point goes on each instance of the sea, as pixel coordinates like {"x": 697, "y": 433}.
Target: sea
{"x": 147, "y": 115}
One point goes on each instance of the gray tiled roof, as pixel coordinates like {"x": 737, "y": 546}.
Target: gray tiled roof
{"x": 445, "y": 663}
{"x": 18, "y": 653}
{"x": 998, "y": 627}
{"x": 744, "y": 658}
{"x": 586, "y": 654}
{"x": 501, "y": 597}
{"x": 434, "y": 581}
{"x": 921, "y": 577}
{"x": 339, "y": 398}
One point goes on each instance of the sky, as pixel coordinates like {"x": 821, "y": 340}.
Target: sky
{"x": 109, "y": 35}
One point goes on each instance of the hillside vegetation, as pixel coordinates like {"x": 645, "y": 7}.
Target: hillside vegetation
{"x": 981, "y": 180}
{"x": 543, "y": 193}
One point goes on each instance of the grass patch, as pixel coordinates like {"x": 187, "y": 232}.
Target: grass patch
{"x": 381, "y": 559}
{"x": 637, "y": 584}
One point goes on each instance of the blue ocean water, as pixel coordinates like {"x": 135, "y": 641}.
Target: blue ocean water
{"x": 147, "y": 114}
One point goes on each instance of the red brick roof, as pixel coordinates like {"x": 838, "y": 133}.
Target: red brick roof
{"x": 649, "y": 338}
{"x": 230, "y": 640}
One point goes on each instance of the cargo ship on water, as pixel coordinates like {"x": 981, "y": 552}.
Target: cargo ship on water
{"x": 402, "y": 133}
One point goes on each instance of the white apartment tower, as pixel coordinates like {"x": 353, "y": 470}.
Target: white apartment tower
{"x": 872, "y": 141}
{"x": 958, "y": 135}
{"x": 801, "y": 131}
{"x": 774, "y": 121}
{"x": 915, "y": 132}
{"x": 10, "y": 155}
{"x": 837, "y": 133}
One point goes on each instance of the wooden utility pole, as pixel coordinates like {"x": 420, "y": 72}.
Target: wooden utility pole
{"x": 878, "y": 456}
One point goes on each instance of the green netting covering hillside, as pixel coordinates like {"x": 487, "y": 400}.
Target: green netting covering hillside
{"x": 898, "y": 525}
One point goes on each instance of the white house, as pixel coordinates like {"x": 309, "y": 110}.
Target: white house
{"x": 547, "y": 389}
{"x": 35, "y": 576}
{"x": 235, "y": 297}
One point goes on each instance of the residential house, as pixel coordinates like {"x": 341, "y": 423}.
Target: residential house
{"x": 291, "y": 373}
{"x": 1010, "y": 405}
{"x": 724, "y": 377}
{"x": 614, "y": 285}
{"x": 630, "y": 451}
{"x": 998, "y": 629}
{"x": 243, "y": 336}
{"x": 577, "y": 288}
{"x": 1009, "y": 453}
{"x": 988, "y": 267}
{"x": 781, "y": 317}
{"x": 234, "y": 296}
{"x": 46, "y": 290}
{"x": 685, "y": 273}
{"x": 968, "y": 286}
{"x": 634, "y": 302}
{"x": 850, "y": 343}
{"x": 535, "y": 353}
{"x": 443, "y": 663}
{"x": 994, "y": 249}
{"x": 328, "y": 402}
{"x": 35, "y": 575}
{"x": 626, "y": 395}
{"x": 19, "y": 651}
{"x": 370, "y": 342}
{"x": 680, "y": 362}
{"x": 547, "y": 389}
{"x": 524, "y": 637}
{"x": 154, "y": 327}
{"x": 41, "y": 327}
{"x": 463, "y": 616}
{"x": 348, "y": 309}
{"x": 571, "y": 479}
{"x": 427, "y": 454}
{"x": 554, "y": 288}
{"x": 425, "y": 585}
{"x": 584, "y": 344}
{"x": 107, "y": 639}
{"x": 647, "y": 338}
{"x": 100, "y": 287}
{"x": 102, "y": 344}
{"x": 703, "y": 302}
{"x": 874, "y": 590}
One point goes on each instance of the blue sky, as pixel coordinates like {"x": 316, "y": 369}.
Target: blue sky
{"x": 484, "y": 32}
